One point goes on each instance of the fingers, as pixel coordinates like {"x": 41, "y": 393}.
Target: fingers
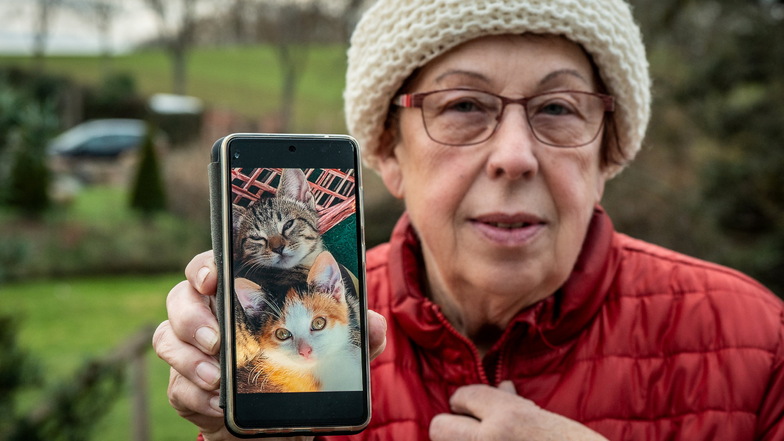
{"x": 201, "y": 370}
{"x": 508, "y": 386}
{"x": 202, "y": 273}
{"x": 193, "y": 402}
{"x": 377, "y": 328}
{"x": 481, "y": 401}
{"x": 198, "y": 406}
{"x": 448, "y": 427}
{"x": 192, "y": 319}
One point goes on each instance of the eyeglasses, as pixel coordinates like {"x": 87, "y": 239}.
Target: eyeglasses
{"x": 461, "y": 117}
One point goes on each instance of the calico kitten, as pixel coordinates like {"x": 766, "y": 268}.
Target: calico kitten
{"x": 307, "y": 341}
{"x": 278, "y": 232}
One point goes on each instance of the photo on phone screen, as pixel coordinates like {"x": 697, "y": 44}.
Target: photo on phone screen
{"x": 295, "y": 265}
{"x": 288, "y": 211}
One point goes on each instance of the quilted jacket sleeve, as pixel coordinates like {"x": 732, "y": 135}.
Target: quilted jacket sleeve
{"x": 771, "y": 414}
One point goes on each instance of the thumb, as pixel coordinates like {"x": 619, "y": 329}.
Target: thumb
{"x": 507, "y": 386}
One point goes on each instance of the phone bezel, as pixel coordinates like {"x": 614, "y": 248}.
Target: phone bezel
{"x": 302, "y": 156}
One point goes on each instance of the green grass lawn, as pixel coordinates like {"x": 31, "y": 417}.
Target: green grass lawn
{"x": 65, "y": 322}
{"x": 245, "y": 79}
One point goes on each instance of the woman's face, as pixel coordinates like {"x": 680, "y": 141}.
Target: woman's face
{"x": 509, "y": 215}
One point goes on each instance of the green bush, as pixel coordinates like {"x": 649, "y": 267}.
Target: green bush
{"x": 67, "y": 411}
{"x": 18, "y": 371}
{"x": 148, "y": 195}
{"x": 96, "y": 234}
{"x": 115, "y": 97}
{"x": 28, "y": 186}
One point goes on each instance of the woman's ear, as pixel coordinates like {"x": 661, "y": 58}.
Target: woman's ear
{"x": 389, "y": 165}
{"x": 601, "y": 180}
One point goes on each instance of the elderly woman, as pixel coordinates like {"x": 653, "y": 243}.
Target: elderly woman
{"x": 513, "y": 309}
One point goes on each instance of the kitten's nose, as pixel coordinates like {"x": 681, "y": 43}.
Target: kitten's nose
{"x": 304, "y": 349}
{"x": 277, "y": 244}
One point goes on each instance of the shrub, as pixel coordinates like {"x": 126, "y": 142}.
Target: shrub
{"x": 28, "y": 186}
{"x": 115, "y": 97}
{"x": 148, "y": 194}
{"x": 69, "y": 411}
{"x": 17, "y": 372}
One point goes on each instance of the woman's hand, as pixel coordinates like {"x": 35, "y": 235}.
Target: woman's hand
{"x": 483, "y": 412}
{"x": 189, "y": 342}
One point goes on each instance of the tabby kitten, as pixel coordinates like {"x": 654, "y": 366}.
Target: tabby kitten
{"x": 278, "y": 232}
{"x": 307, "y": 341}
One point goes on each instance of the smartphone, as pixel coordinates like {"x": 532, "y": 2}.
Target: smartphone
{"x": 289, "y": 245}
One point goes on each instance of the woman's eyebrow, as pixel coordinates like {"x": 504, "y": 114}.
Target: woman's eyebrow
{"x": 478, "y": 76}
{"x": 468, "y": 73}
{"x": 571, "y": 72}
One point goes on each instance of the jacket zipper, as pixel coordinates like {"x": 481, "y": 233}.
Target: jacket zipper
{"x": 477, "y": 358}
{"x": 499, "y": 369}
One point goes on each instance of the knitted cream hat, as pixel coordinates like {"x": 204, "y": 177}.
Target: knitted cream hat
{"x": 394, "y": 37}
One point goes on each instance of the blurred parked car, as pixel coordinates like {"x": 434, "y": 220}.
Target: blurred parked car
{"x": 100, "y": 138}
{"x": 100, "y": 151}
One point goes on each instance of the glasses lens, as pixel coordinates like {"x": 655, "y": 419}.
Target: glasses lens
{"x": 566, "y": 119}
{"x": 460, "y": 117}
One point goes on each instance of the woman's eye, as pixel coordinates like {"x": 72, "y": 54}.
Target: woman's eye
{"x": 282, "y": 334}
{"x": 318, "y": 324}
{"x": 463, "y": 106}
{"x": 555, "y": 109}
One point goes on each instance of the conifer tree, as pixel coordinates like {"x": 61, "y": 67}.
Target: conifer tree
{"x": 148, "y": 194}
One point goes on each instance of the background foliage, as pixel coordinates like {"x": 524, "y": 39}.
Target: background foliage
{"x": 710, "y": 179}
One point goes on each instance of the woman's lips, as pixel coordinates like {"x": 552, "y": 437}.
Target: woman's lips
{"x": 509, "y": 229}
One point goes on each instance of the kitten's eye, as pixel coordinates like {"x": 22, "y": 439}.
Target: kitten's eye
{"x": 318, "y": 324}
{"x": 282, "y": 334}
{"x": 288, "y": 225}
{"x": 261, "y": 240}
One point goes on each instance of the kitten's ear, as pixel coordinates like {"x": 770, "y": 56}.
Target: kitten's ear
{"x": 325, "y": 276}
{"x": 237, "y": 213}
{"x": 293, "y": 184}
{"x": 250, "y": 295}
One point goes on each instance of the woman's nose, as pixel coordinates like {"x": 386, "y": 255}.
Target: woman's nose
{"x": 512, "y": 147}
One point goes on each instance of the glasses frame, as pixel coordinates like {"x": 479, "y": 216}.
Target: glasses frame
{"x": 416, "y": 100}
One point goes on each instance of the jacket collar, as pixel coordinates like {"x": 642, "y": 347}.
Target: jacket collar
{"x": 551, "y": 322}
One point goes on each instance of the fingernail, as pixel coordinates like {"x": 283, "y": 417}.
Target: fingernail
{"x": 206, "y": 338}
{"x": 384, "y": 321}
{"x": 208, "y": 372}
{"x": 215, "y": 403}
{"x": 201, "y": 276}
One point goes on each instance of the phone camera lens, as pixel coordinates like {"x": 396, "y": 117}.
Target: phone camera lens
{"x": 236, "y": 155}
{"x": 292, "y": 149}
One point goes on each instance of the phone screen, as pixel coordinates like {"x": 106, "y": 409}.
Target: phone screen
{"x": 299, "y": 351}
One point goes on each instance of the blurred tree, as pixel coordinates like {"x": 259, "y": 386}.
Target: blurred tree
{"x": 291, "y": 27}
{"x": 18, "y": 371}
{"x": 116, "y": 97}
{"x": 148, "y": 194}
{"x": 713, "y": 183}
{"x": 28, "y": 186}
{"x": 102, "y": 14}
{"x": 176, "y": 29}
{"x": 9, "y": 118}
{"x": 45, "y": 10}
{"x": 743, "y": 110}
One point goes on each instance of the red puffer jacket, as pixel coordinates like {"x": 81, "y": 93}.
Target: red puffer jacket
{"x": 641, "y": 343}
